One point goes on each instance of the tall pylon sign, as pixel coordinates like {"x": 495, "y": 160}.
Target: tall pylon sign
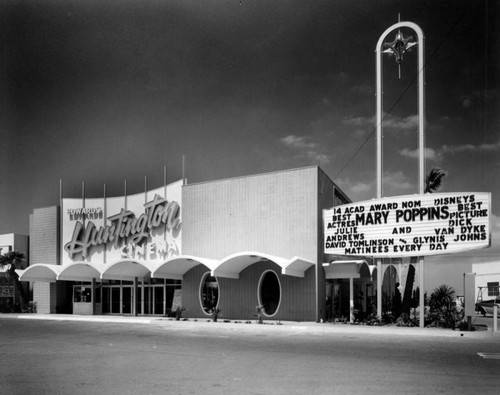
{"x": 411, "y": 226}
{"x": 398, "y": 47}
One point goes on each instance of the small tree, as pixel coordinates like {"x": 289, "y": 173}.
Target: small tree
{"x": 442, "y": 308}
{"x": 14, "y": 259}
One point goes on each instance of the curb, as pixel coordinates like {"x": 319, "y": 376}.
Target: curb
{"x": 298, "y": 328}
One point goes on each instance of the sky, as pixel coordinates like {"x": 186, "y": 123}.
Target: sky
{"x": 106, "y": 91}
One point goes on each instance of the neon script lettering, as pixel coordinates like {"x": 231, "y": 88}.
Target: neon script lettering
{"x": 124, "y": 226}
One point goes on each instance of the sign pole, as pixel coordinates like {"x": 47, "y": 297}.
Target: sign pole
{"x": 398, "y": 47}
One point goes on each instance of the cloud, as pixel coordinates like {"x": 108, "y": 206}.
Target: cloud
{"x": 391, "y": 122}
{"x": 362, "y": 187}
{"x": 360, "y": 121}
{"x": 479, "y": 97}
{"x": 467, "y": 102}
{"x": 430, "y": 154}
{"x": 438, "y": 154}
{"x": 298, "y": 142}
{"x": 401, "y": 124}
{"x": 357, "y": 190}
{"x": 396, "y": 183}
{"x": 362, "y": 90}
{"x": 305, "y": 148}
{"x": 470, "y": 148}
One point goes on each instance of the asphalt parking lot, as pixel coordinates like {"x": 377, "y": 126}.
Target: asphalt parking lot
{"x": 128, "y": 355}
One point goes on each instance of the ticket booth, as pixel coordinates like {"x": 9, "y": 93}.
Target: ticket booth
{"x": 87, "y": 299}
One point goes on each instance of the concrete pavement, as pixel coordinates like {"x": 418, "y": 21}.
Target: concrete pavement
{"x": 268, "y": 326}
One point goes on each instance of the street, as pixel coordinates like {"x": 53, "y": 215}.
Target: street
{"x": 61, "y": 357}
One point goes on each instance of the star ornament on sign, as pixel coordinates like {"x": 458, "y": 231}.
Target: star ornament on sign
{"x": 398, "y": 47}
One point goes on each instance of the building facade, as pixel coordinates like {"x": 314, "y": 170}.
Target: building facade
{"x": 232, "y": 246}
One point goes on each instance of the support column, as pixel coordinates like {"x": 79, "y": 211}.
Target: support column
{"x": 421, "y": 301}
{"x": 135, "y": 297}
{"x": 495, "y": 317}
{"x": 93, "y": 296}
{"x": 143, "y": 290}
{"x": 164, "y": 297}
{"x": 351, "y": 300}
{"x": 379, "y": 288}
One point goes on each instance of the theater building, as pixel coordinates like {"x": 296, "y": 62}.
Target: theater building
{"x": 231, "y": 245}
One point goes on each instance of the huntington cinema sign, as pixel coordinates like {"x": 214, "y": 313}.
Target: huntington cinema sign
{"x": 416, "y": 225}
{"x": 124, "y": 226}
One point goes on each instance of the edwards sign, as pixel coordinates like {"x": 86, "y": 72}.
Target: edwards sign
{"x": 416, "y": 225}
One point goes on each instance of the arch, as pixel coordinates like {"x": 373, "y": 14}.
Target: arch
{"x": 344, "y": 268}
{"x": 175, "y": 267}
{"x": 390, "y": 273}
{"x": 390, "y": 281}
{"x": 126, "y": 269}
{"x": 296, "y": 267}
{"x": 366, "y": 270}
{"x": 233, "y": 265}
{"x": 80, "y": 271}
{"x": 40, "y": 272}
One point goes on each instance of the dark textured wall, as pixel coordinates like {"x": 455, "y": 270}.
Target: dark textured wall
{"x": 238, "y": 298}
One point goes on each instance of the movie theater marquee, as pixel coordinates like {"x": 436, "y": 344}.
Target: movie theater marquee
{"x": 415, "y": 225}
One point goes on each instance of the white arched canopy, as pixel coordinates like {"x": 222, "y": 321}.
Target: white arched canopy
{"x": 233, "y": 265}
{"x": 343, "y": 269}
{"x": 40, "y": 272}
{"x": 125, "y": 270}
{"x": 175, "y": 267}
{"x": 296, "y": 267}
{"x": 80, "y": 271}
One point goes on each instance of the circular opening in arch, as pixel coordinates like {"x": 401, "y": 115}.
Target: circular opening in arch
{"x": 269, "y": 292}
{"x": 209, "y": 293}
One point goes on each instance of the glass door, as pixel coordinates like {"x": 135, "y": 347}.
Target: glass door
{"x": 115, "y": 300}
{"x": 106, "y": 300}
{"x": 126, "y": 300}
{"x": 158, "y": 300}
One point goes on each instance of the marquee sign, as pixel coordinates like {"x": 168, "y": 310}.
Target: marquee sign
{"x": 415, "y": 225}
{"x": 146, "y": 226}
{"x": 125, "y": 226}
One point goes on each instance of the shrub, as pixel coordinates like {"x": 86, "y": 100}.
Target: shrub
{"x": 443, "y": 311}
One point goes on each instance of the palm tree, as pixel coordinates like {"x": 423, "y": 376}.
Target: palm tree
{"x": 443, "y": 311}
{"x": 13, "y": 259}
{"x": 433, "y": 180}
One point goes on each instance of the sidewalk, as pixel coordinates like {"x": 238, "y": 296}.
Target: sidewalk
{"x": 309, "y": 328}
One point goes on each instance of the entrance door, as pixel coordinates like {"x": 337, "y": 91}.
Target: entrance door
{"x": 115, "y": 300}
{"x": 106, "y": 300}
{"x": 126, "y": 300}
{"x": 146, "y": 302}
{"x": 152, "y": 301}
{"x": 158, "y": 300}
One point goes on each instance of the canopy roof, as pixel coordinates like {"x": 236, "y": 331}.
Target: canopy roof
{"x": 40, "y": 272}
{"x": 173, "y": 268}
